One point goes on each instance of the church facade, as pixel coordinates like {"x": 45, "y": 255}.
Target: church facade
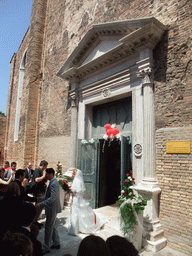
{"x": 84, "y": 64}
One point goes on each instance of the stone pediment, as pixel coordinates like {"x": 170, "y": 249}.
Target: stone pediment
{"x": 107, "y": 43}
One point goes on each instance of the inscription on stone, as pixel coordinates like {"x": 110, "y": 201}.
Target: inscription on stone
{"x": 178, "y": 147}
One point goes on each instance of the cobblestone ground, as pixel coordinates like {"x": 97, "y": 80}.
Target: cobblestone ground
{"x": 70, "y": 244}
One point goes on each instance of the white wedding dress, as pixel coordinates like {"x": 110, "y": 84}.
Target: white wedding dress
{"x": 82, "y": 217}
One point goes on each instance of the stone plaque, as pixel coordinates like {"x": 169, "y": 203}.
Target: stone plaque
{"x": 137, "y": 149}
{"x": 178, "y": 146}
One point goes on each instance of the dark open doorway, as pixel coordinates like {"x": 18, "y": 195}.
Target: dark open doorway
{"x": 109, "y": 172}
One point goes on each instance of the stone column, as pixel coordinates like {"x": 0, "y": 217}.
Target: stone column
{"x": 148, "y": 128}
{"x": 74, "y": 126}
{"x": 148, "y": 187}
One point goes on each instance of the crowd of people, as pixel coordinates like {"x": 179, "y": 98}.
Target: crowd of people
{"x": 27, "y": 193}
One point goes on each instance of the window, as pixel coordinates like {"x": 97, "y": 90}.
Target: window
{"x": 19, "y": 96}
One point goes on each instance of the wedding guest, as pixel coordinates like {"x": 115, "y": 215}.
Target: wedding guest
{"x": 120, "y": 246}
{"x": 39, "y": 178}
{"x": 4, "y": 182}
{"x": 19, "y": 177}
{"x": 10, "y": 207}
{"x": 34, "y": 230}
{"x": 8, "y": 173}
{"x": 29, "y": 172}
{"x": 40, "y": 181}
{"x": 13, "y": 189}
{"x": 6, "y": 166}
{"x": 16, "y": 244}
{"x": 94, "y": 246}
{"x": 28, "y": 212}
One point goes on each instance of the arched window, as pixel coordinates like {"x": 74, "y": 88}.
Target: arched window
{"x": 19, "y": 96}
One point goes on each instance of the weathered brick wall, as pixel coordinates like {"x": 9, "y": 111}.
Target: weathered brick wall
{"x": 173, "y": 65}
{"x": 15, "y": 149}
{"x": 3, "y": 120}
{"x": 55, "y": 149}
{"x": 174, "y": 173}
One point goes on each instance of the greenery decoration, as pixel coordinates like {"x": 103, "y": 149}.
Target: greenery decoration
{"x": 130, "y": 204}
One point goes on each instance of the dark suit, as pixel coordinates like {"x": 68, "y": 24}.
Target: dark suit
{"x": 28, "y": 174}
{"x": 51, "y": 202}
{"x": 37, "y": 250}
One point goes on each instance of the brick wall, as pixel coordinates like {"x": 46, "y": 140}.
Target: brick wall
{"x": 15, "y": 149}
{"x": 3, "y": 120}
{"x": 174, "y": 173}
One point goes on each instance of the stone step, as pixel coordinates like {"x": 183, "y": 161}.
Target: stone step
{"x": 155, "y": 235}
{"x": 157, "y": 227}
{"x": 156, "y": 246}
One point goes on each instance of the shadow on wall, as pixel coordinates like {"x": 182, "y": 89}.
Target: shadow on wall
{"x": 160, "y": 59}
{"x": 160, "y": 56}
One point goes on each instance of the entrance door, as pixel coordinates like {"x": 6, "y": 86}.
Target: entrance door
{"x": 114, "y": 158}
{"x": 88, "y": 164}
{"x": 104, "y": 171}
{"x": 109, "y": 172}
{"x": 115, "y": 162}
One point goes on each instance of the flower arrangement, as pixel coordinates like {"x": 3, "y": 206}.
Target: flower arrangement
{"x": 130, "y": 204}
{"x": 59, "y": 176}
{"x": 59, "y": 170}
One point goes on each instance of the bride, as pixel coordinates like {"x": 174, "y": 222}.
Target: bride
{"x": 82, "y": 217}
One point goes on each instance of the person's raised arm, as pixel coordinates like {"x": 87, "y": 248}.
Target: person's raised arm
{"x": 4, "y": 182}
{"x": 38, "y": 179}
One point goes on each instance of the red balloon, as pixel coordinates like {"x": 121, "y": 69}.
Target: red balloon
{"x": 115, "y": 131}
{"x": 109, "y": 132}
{"x": 107, "y": 126}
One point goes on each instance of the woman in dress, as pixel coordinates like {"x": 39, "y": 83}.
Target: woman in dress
{"x": 82, "y": 217}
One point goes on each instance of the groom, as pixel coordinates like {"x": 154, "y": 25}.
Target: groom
{"x": 51, "y": 202}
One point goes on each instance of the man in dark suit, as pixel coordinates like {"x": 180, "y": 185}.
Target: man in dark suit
{"x": 51, "y": 202}
{"x": 27, "y": 217}
{"x": 29, "y": 172}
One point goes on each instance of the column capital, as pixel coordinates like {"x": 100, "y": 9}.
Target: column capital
{"x": 74, "y": 100}
{"x": 146, "y": 75}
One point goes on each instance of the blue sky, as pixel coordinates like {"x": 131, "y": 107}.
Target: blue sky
{"x": 14, "y": 22}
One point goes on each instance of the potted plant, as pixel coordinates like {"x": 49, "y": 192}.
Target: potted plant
{"x": 131, "y": 207}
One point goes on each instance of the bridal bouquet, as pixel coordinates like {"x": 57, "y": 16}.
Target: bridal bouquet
{"x": 130, "y": 204}
{"x": 65, "y": 186}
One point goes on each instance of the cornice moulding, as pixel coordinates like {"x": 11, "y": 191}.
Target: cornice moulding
{"x": 132, "y": 35}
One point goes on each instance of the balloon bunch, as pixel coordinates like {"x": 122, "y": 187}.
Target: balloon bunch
{"x": 112, "y": 131}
